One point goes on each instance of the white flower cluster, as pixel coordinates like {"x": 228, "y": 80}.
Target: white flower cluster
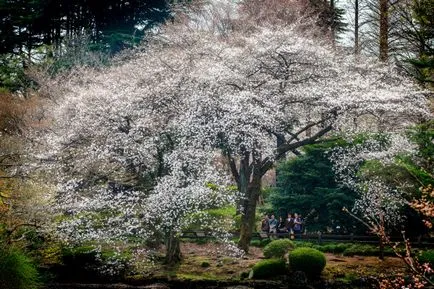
{"x": 377, "y": 202}
{"x": 384, "y": 148}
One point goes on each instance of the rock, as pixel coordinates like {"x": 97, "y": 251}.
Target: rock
{"x": 298, "y": 279}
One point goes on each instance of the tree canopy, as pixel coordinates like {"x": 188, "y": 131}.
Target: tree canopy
{"x": 251, "y": 98}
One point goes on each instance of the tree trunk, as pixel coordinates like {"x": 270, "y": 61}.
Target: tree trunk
{"x": 248, "y": 216}
{"x": 173, "y": 250}
{"x": 384, "y": 30}
{"x": 381, "y": 245}
{"x": 382, "y": 237}
{"x": 332, "y": 27}
{"x": 356, "y": 28}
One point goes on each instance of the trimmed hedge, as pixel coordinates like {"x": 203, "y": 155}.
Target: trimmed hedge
{"x": 333, "y": 247}
{"x": 17, "y": 271}
{"x": 366, "y": 250}
{"x": 308, "y": 260}
{"x": 269, "y": 268}
{"x": 347, "y": 249}
{"x": 278, "y": 248}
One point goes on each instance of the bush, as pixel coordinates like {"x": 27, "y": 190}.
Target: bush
{"x": 264, "y": 242}
{"x": 16, "y": 270}
{"x": 255, "y": 243}
{"x": 268, "y": 268}
{"x": 302, "y": 244}
{"x": 308, "y": 260}
{"x": 333, "y": 247}
{"x": 366, "y": 250}
{"x": 278, "y": 248}
{"x": 426, "y": 257}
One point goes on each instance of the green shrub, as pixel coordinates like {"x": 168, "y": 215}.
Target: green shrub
{"x": 341, "y": 247}
{"x": 364, "y": 250}
{"x": 255, "y": 243}
{"x": 300, "y": 244}
{"x": 426, "y": 257}
{"x": 264, "y": 242}
{"x": 269, "y": 268}
{"x": 278, "y": 248}
{"x": 335, "y": 248}
{"x": 308, "y": 260}
{"x": 16, "y": 270}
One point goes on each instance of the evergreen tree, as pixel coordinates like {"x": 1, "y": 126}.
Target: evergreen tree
{"x": 307, "y": 185}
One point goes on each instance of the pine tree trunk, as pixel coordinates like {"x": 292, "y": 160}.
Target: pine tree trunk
{"x": 356, "y": 28}
{"x": 384, "y": 30}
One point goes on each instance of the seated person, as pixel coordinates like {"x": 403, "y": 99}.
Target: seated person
{"x": 281, "y": 226}
{"x": 273, "y": 224}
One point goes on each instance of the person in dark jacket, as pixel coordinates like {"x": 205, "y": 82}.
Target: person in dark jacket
{"x": 281, "y": 226}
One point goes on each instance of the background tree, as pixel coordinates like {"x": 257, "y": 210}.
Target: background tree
{"x": 321, "y": 17}
{"x": 34, "y": 30}
{"x": 20, "y": 198}
{"x": 417, "y": 20}
{"x": 307, "y": 183}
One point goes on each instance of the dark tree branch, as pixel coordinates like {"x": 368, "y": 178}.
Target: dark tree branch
{"x": 283, "y": 149}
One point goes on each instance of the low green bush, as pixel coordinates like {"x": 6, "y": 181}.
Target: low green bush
{"x": 17, "y": 270}
{"x": 340, "y": 248}
{"x": 269, "y": 268}
{"x": 264, "y": 242}
{"x": 255, "y": 243}
{"x": 346, "y": 249}
{"x": 278, "y": 248}
{"x": 361, "y": 250}
{"x": 308, "y": 260}
{"x": 366, "y": 250}
{"x": 426, "y": 257}
{"x": 302, "y": 244}
{"x": 335, "y": 248}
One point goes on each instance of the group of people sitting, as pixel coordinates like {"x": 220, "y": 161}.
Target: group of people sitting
{"x": 293, "y": 225}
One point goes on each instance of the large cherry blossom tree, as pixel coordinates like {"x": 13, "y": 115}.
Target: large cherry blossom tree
{"x": 192, "y": 96}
